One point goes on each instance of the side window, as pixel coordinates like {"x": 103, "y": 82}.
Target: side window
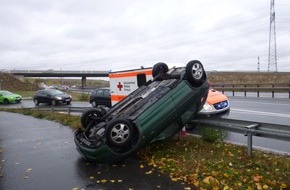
{"x": 141, "y": 79}
{"x": 100, "y": 92}
{"x": 107, "y": 92}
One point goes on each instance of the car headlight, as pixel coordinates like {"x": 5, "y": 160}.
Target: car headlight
{"x": 207, "y": 107}
{"x": 59, "y": 98}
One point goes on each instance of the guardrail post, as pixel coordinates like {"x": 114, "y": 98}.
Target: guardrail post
{"x": 258, "y": 92}
{"x": 68, "y": 112}
{"x": 245, "y": 92}
{"x": 289, "y": 91}
{"x": 273, "y": 91}
{"x": 249, "y": 135}
{"x": 234, "y": 90}
{"x": 250, "y": 144}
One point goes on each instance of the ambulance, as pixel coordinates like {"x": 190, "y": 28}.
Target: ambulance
{"x": 123, "y": 82}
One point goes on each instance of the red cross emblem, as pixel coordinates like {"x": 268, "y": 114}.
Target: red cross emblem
{"x": 120, "y": 86}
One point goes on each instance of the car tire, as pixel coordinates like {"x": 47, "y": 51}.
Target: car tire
{"x": 94, "y": 104}
{"x": 195, "y": 73}
{"x": 53, "y": 102}
{"x": 5, "y": 101}
{"x": 90, "y": 115}
{"x": 119, "y": 132}
{"x": 159, "y": 67}
{"x": 36, "y": 102}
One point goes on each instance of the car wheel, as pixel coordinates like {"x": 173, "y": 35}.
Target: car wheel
{"x": 6, "y": 101}
{"x": 36, "y": 102}
{"x": 94, "y": 104}
{"x": 119, "y": 132}
{"x": 91, "y": 115}
{"x": 53, "y": 102}
{"x": 195, "y": 73}
{"x": 159, "y": 68}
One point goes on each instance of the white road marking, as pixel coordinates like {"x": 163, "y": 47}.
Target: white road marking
{"x": 268, "y": 103}
{"x": 262, "y": 113}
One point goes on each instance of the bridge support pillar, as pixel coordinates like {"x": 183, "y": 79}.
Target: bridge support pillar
{"x": 84, "y": 80}
{"x": 20, "y": 77}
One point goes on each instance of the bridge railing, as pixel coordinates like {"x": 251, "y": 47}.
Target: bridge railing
{"x": 257, "y": 88}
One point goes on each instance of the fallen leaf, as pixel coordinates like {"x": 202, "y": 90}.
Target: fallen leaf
{"x": 174, "y": 179}
{"x": 257, "y": 178}
{"x": 149, "y": 172}
{"x": 283, "y": 186}
{"x": 206, "y": 180}
{"x": 265, "y": 187}
{"x": 226, "y": 187}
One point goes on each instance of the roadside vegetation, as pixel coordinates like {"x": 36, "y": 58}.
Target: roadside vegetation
{"x": 207, "y": 163}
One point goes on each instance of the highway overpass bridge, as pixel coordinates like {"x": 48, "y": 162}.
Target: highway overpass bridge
{"x": 21, "y": 74}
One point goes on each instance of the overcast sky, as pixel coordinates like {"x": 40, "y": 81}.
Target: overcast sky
{"x": 114, "y": 34}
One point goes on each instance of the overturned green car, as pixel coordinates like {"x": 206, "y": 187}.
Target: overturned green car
{"x": 157, "y": 110}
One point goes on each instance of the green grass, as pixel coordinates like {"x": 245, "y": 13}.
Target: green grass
{"x": 206, "y": 165}
{"x": 72, "y": 121}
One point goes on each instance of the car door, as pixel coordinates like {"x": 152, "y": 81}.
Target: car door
{"x": 100, "y": 96}
{"x": 39, "y": 96}
{"x": 107, "y": 97}
{"x": 46, "y": 97}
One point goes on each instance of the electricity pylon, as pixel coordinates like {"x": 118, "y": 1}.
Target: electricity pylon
{"x": 272, "y": 55}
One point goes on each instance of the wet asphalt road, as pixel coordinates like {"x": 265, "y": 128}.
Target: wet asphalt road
{"x": 40, "y": 154}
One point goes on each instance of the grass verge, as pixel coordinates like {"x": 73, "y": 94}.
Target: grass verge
{"x": 207, "y": 165}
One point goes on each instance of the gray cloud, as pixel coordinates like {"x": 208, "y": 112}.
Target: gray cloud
{"x": 104, "y": 35}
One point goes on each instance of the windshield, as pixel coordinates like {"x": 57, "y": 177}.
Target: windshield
{"x": 6, "y": 93}
{"x": 56, "y": 92}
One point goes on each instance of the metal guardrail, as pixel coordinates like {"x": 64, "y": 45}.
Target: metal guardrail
{"x": 249, "y": 129}
{"x": 272, "y": 88}
{"x": 67, "y": 110}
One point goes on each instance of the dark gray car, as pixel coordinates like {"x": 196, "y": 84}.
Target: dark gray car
{"x": 101, "y": 96}
{"x": 51, "y": 97}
